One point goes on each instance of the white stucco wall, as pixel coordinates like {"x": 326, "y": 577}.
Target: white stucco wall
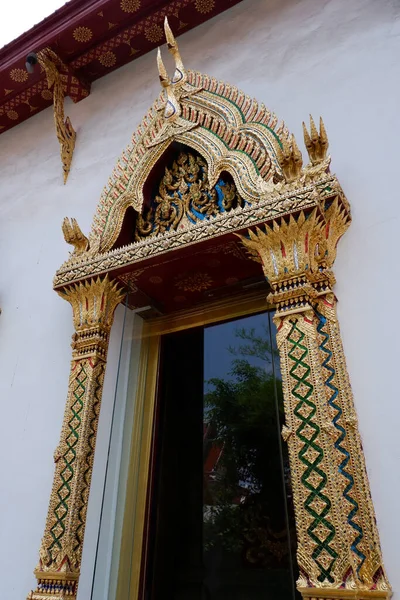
{"x": 338, "y": 58}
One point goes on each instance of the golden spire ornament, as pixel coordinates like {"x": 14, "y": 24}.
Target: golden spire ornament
{"x": 180, "y": 73}
{"x": 174, "y": 90}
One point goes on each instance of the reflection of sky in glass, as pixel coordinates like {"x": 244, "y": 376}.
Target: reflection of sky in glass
{"x": 217, "y": 340}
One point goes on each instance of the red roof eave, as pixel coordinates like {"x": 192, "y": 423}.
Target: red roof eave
{"x": 92, "y": 38}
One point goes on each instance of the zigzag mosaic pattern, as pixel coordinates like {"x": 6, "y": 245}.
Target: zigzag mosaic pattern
{"x": 339, "y": 443}
{"x": 67, "y": 473}
{"x": 317, "y": 504}
{"x": 89, "y": 457}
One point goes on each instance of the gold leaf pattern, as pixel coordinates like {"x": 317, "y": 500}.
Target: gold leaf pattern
{"x": 184, "y": 193}
{"x": 108, "y": 59}
{"x": 82, "y": 34}
{"x": 47, "y": 95}
{"x": 196, "y": 282}
{"x": 19, "y": 75}
{"x": 204, "y": 6}
{"x": 130, "y": 6}
{"x": 153, "y": 33}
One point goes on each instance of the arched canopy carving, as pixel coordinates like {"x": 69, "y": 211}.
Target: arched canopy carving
{"x": 230, "y": 130}
{"x": 233, "y": 133}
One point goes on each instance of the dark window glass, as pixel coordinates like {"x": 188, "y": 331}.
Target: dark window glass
{"x": 220, "y": 520}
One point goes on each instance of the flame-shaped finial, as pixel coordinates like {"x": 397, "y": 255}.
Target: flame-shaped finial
{"x": 180, "y": 73}
{"x": 162, "y": 71}
{"x": 172, "y": 108}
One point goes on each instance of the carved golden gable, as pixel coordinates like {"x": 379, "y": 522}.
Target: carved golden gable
{"x": 233, "y": 133}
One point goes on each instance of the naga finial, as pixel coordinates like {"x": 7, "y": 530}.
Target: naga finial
{"x": 291, "y": 160}
{"x": 73, "y": 235}
{"x": 180, "y": 73}
{"x": 175, "y": 90}
{"x": 316, "y": 143}
{"x": 66, "y": 134}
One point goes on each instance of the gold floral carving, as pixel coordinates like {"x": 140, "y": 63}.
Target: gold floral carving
{"x": 194, "y": 282}
{"x": 130, "y": 6}
{"x": 18, "y": 75}
{"x": 93, "y": 304}
{"x": 46, "y": 95}
{"x": 108, "y": 59}
{"x": 204, "y": 6}
{"x": 183, "y": 194}
{"x": 232, "y": 248}
{"x": 129, "y": 279}
{"x": 153, "y": 33}
{"x": 156, "y": 279}
{"x": 12, "y": 114}
{"x": 66, "y": 134}
{"x": 82, "y": 34}
{"x": 290, "y": 220}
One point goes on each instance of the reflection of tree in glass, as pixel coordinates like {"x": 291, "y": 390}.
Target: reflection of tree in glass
{"x": 243, "y": 498}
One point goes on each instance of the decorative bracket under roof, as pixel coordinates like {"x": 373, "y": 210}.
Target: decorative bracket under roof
{"x": 58, "y": 76}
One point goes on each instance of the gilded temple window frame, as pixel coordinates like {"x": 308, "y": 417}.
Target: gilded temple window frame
{"x": 293, "y": 218}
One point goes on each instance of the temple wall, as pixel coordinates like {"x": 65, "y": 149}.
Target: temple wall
{"x": 338, "y": 58}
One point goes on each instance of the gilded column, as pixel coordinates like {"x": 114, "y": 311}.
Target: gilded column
{"x": 357, "y": 504}
{"x": 338, "y": 550}
{"x": 93, "y": 304}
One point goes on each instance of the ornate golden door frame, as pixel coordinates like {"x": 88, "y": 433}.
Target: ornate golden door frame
{"x": 290, "y": 221}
